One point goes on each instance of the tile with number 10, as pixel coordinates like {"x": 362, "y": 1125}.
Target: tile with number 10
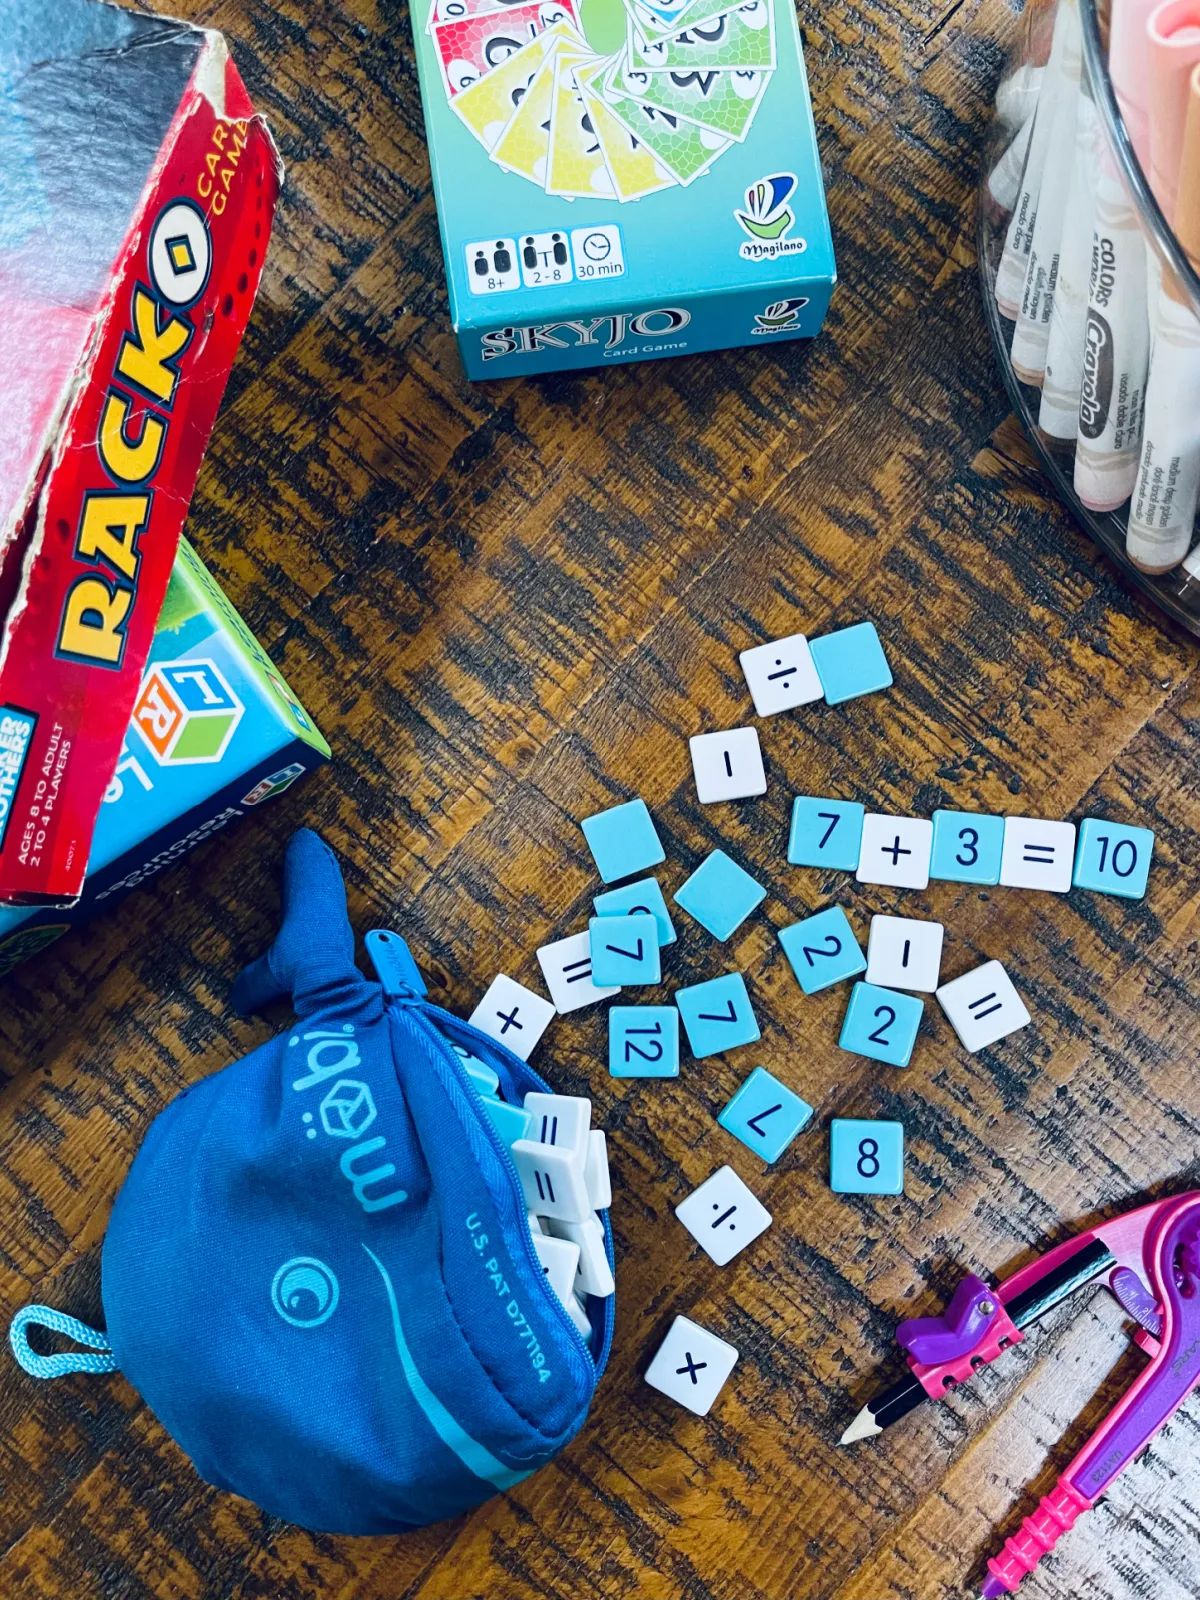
{"x": 1112, "y": 858}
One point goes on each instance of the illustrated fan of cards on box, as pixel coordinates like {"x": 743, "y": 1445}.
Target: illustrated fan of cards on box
{"x": 682, "y": 87}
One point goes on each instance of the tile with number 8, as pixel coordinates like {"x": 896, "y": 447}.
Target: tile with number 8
{"x": 825, "y": 833}
{"x": 625, "y": 950}
{"x": 717, "y": 1015}
{"x": 1112, "y": 858}
{"x": 643, "y": 1042}
{"x": 822, "y": 949}
{"x": 723, "y": 1216}
{"x": 881, "y": 1024}
{"x": 765, "y": 1115}
{"x": 866, "y": 1157}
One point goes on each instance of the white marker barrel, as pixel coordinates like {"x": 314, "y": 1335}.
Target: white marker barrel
{"x": 1004, "y": 180}
{"x": 1058, "y": 416}
{"x": 1017, "y": 96}
{"x": 1010, "y": 277}
{"x": 1032, "y": 332}
{"x": 1163, "y": 512}
{"x": 1116, "y": 344}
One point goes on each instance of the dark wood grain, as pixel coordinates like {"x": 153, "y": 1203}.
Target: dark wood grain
{"x": 509, "y": 605}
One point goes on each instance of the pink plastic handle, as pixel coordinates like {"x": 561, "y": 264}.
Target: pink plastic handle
{"x": 1057, "y": 1514}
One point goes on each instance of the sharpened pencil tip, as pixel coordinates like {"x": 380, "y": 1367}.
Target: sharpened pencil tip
{"x": 993, "y": 1589}
{"x": 864, "y": 1426}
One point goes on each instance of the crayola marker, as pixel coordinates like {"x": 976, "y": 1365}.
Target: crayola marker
{"x": 1058, "y": 415}
{"x": 1010, "y": 276}
{"x": 1162, "y": 516}
{"x": 1116, "y": 331}
{"x": 1032, "y": 331}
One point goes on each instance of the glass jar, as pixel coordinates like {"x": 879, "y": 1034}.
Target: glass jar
{"x": 1092, "y": 301}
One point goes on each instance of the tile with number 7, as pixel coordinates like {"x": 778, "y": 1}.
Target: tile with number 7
{"x": 765, "y": 1115}
{"x": 822, "y": 949}
{"x": 717, "y": 1015}
{"x": 628, "y": 945}
{"x": 643, "y": 1042}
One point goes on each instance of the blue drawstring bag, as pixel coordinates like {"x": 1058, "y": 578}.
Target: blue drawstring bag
{"x": 319, "y": 1273}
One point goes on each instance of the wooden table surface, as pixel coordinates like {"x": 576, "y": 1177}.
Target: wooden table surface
{"x": 507, "y": 607}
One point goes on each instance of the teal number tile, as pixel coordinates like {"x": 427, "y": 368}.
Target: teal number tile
{"x": 720, "y": 895}
{"x": 850, "y": 662}
{"x": 822, "y": 949}
{"x": 644, "y": 895}
{"x": 623, "y": 840}
{"x": 717, "y": 1015}
{"x": 1113, "y": 859}
{"x": 825, "y": 833}
{"x": 967, "y": 847}
{"x": 866, "y": 1157}
{"x": 881, "y": 1024}
{"x": 624, "y": 950}
{"x": 510, "y": 1122}
{"x": 765, "y": 1115}
{"x": 643, "y": 1042}
{"x": 480, "y": 1074}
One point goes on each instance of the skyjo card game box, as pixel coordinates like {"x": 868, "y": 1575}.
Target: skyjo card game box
{"x": 215, "y": 733}
{"x": 622, "y": 179}
{"x": 137, "y": 190}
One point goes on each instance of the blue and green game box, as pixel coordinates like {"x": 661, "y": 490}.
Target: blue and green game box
{"x": 215, "y": 733}
{"x": 618, "y": 180}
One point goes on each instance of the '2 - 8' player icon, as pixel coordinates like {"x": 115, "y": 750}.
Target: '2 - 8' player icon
{"x": 535, "y": 255}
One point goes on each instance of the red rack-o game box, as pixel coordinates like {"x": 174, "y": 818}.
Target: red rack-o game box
{"x": 137, "y": 189}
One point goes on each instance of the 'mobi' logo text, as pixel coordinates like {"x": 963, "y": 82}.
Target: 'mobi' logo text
{"x": 132, "y": 434}
{"x": 347, "y": 1111}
